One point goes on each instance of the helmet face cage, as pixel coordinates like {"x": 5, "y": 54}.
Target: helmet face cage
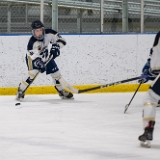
{"x": 36, "y": 25}
{"x": 38, "y": 38}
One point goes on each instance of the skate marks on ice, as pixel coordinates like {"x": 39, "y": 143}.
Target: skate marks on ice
{"x": 40, "y": 101}
{"x": 95, "y": 128}
{"x": 155, "y": 146}
{"x": 98, "y": 100}
{"x": 49, "y": 143}
{"x": 149, "y": 144}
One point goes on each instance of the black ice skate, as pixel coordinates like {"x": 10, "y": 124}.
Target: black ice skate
{"x": 147, "y": 136}
{"x": 20, "y": 95}
{"x": 64, "y": 94}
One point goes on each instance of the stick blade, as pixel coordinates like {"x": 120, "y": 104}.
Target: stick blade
{"x": 126, "y": 107}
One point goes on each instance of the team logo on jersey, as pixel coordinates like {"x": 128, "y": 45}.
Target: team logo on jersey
{"x": 39, "y": 48}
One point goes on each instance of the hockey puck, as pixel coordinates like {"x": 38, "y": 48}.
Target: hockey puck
{"x": 17, "y": 104}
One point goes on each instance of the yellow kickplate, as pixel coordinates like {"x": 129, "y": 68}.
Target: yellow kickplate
{"x": 52, "y": 90}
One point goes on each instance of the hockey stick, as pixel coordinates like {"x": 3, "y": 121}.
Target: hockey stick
{"x": 127, "y": 106}
{"x": 111, "y": 84}
{"x": 37, "y": 74}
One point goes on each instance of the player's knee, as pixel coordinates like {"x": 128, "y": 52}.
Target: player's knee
{"x": 30, "y": 77}
{"x": 149, "y": 112}
{"x": 149, "y": 106}
{"x": 56, "y": 75}
{"x": 151, "y": 97}
{"x": 27, "y": 81}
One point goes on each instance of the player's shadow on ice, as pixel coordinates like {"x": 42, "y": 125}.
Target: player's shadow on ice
{"x": 53, "y": 101}
{"x": 155, "y": 146}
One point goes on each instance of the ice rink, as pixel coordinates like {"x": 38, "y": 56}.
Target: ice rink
{"x": 90, "y": 127}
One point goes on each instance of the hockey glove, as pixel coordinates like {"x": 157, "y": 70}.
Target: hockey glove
{"x": 148, "y": 73}
{"x": 145, "y": 72}
{"x": 40, "y": 65}
{"x": 55, "y": 50}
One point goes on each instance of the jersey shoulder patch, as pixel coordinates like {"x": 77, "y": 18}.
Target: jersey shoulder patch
{"x": 31, "y": 43}
{"x": 50, "y": 31}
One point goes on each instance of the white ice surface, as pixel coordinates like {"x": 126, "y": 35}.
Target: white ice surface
{"x": 90, "y": 127}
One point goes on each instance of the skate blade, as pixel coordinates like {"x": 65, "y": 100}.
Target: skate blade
{"x": 65, "y": 98}
{"x": 146, "y": 144}
{"x": 19, "y": 99}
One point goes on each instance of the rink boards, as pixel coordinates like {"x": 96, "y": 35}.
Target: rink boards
{"x": 51, "y": 89}
{"x": 85, "y": 61}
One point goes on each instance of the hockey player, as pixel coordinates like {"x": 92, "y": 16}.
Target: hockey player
{"x": 152, "y": 70}
{"x": 38, "y": 54}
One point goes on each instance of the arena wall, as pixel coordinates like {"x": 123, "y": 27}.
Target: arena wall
{"x": 87, "y": 60}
